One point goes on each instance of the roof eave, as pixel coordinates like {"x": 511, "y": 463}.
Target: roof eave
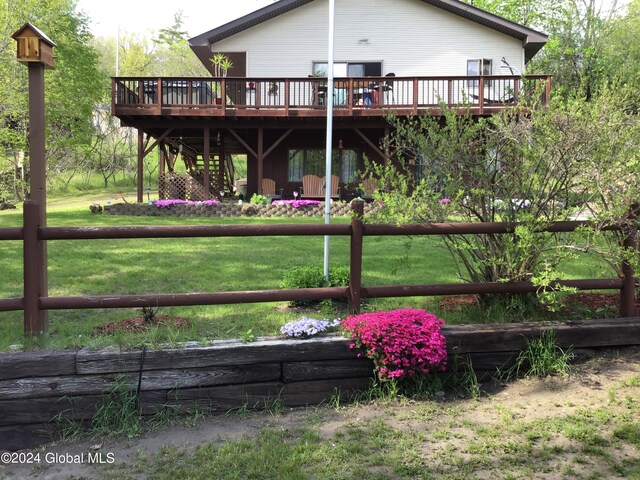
{"x": 532, "y": 40}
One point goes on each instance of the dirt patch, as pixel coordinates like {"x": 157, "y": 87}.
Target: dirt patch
{"x": 140, "y": 324}
{"x": 457, "y": 302}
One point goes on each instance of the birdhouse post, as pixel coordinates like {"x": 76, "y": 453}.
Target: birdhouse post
{"x": 35, "y": 49}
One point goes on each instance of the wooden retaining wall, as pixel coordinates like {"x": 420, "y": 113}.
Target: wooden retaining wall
{"x": 36, "y": 386}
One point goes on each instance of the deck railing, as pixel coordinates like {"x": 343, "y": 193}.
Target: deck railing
{"x": 31, "y": 234}
{"x": 308, "y": 96}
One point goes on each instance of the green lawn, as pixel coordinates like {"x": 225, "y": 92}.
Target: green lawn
{"x": 107, "y": 267}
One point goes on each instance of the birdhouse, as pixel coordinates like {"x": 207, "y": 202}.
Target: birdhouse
{"x": 34, "y": 45}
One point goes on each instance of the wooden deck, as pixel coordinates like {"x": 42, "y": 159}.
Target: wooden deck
{"x": 306, "y": 97}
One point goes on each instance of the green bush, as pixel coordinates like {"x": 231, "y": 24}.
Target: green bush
{"x": 259, "y": 200}
{"x": 312, "y": 276}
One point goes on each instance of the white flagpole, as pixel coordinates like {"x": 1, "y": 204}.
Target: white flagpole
{"x": 329, "y": 140}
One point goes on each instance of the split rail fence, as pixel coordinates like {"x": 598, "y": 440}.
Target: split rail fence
{"x": 32, "y": 235}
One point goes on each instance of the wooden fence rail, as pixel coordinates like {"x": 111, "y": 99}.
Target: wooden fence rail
{"x": 31, "y": 234}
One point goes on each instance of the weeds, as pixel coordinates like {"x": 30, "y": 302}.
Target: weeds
{"x": 273, "y": 406}
{"x": 248, "y": 336}
{"x": 541, "y": 357}
{"x": 118, "y": 414}
{"x": 149, "y": 314}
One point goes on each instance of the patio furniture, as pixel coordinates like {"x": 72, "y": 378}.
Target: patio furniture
{"x": 334, "y": 187}
{"x": 269, "y": 189}
{"x": 312, "y": 187}
{"x": 368, "y": 188}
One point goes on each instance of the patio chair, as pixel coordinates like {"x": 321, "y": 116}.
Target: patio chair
{"x": 368, "y": 188}
{"x": 335, "y": 186}
{"x": 387, "y": 87}
{"x": 269, "y": 189}
{"x": 312, "y": 187}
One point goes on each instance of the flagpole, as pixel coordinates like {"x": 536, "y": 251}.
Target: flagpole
{"x": 329, "y": 139}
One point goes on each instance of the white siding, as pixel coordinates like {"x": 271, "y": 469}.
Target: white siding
{"x": 409, "y": 37}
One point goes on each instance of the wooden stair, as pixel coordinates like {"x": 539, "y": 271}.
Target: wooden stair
{"x": 221, "y": 173}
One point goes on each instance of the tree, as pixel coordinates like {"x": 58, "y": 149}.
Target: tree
{"x": 578, "y": 32}
{"x": 72, "y": 89}
{"x": 620, "y": 57}
{"x": 111, "y": 150}
{"x": 175, "y": 57}
{"x": 532, "y": 166}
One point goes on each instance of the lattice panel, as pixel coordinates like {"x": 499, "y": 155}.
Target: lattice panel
{"x": 179, "y": 186}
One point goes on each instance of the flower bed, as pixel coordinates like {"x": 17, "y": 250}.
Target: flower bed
{"x": 297, "y": 203}
{"x": 171, "y": 202}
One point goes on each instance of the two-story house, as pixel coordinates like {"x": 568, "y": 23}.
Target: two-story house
{"x": 401, "y": 57}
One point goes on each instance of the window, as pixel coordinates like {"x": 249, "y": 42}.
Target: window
{"x": 344, "y": 163}
{"x": 348, "y": 69}
{"x": 475, "y": 68}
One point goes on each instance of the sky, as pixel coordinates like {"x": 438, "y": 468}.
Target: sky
{"x": 143, "y": 16}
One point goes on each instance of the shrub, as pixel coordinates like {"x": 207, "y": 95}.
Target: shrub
{"x": 259, "y": 200}
{"x": 312, "y": 276}
{"x": 402, "y": 344}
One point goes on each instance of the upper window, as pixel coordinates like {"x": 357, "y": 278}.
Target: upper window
{"x": 348, "y": 69}
{"x": 478, "y": 67}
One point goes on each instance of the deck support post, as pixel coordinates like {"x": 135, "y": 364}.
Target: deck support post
{"x": 206, "y": 153}
{"x": 162, "y": 158}
{"x": 260, "y": 158}
{"x": 220, "y": 181}
{"x": 140, "y": 164}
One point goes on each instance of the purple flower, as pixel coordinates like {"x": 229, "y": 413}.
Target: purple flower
{"x": 445, "y": 201}
{"x": 297, "y": 203}
{"x": 176, "y": 201}
{"x": 307, "y": 327}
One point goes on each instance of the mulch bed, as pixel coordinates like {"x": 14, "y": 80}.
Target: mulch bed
{"x": 596, "y": 302}
{"x": 138, "y": 324}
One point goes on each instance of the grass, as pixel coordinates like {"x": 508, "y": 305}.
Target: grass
{"x": 146, "y": 266}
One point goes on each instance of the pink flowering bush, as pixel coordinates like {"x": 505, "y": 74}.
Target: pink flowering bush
{"x": 297, "y": 203}
{"x": 402, "y": 343}
{"x": 171, "y": 202}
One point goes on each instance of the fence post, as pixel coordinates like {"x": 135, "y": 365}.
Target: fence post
{"x": 355, "y": 255}
{"x": 35, "y": 320}
{"x": 630, "y": 243}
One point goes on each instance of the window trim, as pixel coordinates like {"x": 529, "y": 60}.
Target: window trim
{"x": 481, "y": 64}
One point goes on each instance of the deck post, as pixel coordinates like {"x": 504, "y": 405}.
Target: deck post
{"x": 206, "y": 153}
{"x": 481, "y": 96}
{"x": 162, "y": 158}
{"x": 260, "y": 158}
{"x": 140, "y": 164}
{"x": 355, "y": 256}
{"x": 629, "y": 243}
